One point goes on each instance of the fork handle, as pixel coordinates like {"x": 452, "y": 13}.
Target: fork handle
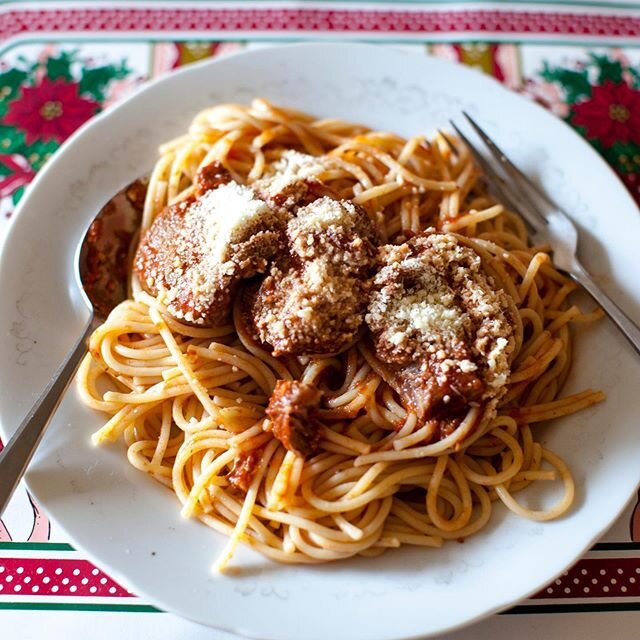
{"x": 17, "y": 453}
{"x": 625, "y": 324}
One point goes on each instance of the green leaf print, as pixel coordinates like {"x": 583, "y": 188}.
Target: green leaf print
{"x": 11, "y": 140}
{"x": 607, "y": 69}
{"x": 10, "y": 83}
{"x": 60, "y": 67}
{"x": 94, "y": 81}
{"x": 17, "y": 194}
{"x": 39, "y": 152}
{"x": 575, "y": 83}
{"x": 624, "y": 157}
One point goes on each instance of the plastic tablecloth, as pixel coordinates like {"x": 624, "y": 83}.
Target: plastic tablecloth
{"x": 63, "y": 62}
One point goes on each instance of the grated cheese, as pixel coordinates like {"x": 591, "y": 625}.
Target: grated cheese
{"x": 228, "y": 213}
{"x": 434, "y": 306}
{"x": 290, "y": 170}
{"x": 318, "y": 289}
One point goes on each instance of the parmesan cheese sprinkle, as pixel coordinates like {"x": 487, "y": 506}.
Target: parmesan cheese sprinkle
{"x": 290, "y": 179}
{"x": 197, "y": 251}
{"x": 228, "y": 215}
{"x": 433, "y": 307}
{"x": 314, "y": 298}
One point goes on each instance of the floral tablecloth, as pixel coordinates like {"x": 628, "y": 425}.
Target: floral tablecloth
{"x": 63, "y": 62}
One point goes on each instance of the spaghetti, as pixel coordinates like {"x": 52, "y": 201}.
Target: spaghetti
{"x": 190, "y": 402}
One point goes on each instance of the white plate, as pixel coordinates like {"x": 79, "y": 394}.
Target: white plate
{"x": 131, "y": 526}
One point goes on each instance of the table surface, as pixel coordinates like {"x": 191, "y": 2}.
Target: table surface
{"x": 575, "y": 58}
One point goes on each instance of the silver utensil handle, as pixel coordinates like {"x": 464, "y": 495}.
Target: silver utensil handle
{"x": 17, "y": 453}
{"x": 628, "y": 327}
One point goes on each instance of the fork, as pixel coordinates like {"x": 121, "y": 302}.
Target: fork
{"x": 551, "y": 226}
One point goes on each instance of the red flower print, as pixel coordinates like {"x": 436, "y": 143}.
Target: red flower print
{"x": 611, "y": 115}
{"x": 52, "y": 110}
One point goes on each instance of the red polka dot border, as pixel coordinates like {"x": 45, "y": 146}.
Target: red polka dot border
{"x": 590, "y": 578}
{"x": 373, "y": 21}
{"x": 63, "y": 577}
{"x": 597, "y": 578}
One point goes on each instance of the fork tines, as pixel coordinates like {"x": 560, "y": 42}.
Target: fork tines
{"x": 516, "y": 191}
{"x": 504, "y": 160}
